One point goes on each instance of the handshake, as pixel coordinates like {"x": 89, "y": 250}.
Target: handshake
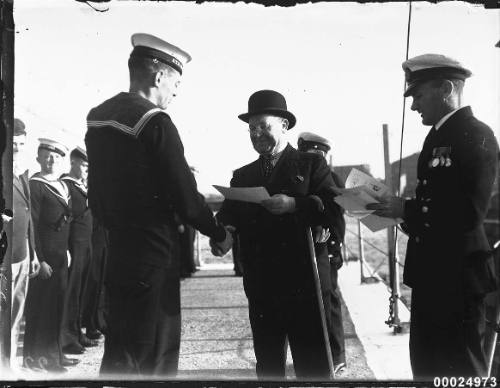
{"x": 219, "y": 249}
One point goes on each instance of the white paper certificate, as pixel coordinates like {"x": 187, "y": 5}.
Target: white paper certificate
{"x": 245, "y": 194}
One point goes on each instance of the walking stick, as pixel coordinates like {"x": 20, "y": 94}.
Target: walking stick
{"x": 312, "y": 255}
{"x": 496, "y": 323}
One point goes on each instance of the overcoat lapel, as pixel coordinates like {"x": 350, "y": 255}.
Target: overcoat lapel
{"x": 19, "y": 187}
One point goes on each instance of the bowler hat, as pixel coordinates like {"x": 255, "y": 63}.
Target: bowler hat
{"x": 268, "y": 102}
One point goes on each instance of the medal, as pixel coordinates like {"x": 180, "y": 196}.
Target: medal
{"x": 448, "y": 162}
{"x": 441, "y": 161}
{"x": 435, "y": 162}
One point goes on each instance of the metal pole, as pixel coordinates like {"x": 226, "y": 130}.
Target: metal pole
{"x": 361, "y": 251}
{"x": 312, "y": 255}
{"x": 391, "y": 240}
{"x": 198, "y": 248}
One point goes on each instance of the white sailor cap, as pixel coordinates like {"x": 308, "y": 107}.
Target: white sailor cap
{"x": 79, "y": 152}
{"x": 309, "y": 140}
{"x": 428, "y": 67}
{"x": 53, "y": 145}
{"x": 150, "y": 46}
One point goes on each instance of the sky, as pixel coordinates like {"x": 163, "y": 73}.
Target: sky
{"x": 337, "y": 64}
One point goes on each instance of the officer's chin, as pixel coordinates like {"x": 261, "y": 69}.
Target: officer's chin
{"x": 262, "y": 148}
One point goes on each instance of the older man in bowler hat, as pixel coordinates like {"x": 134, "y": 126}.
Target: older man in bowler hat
{"x": 277, "y": 272}
{"x": 138, "y": 181}
{"x": 449, "y": 265}
{"x": 332, "y": 247}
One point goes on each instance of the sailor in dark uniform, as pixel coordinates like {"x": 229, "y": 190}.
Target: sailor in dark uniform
{"x": 73, "y": 340}
{"x": 448, "y": 265}
{"x": 94, "y": 308}
{"x": 311, "y": 142}
{"x": 277, "y": 270}
{"x": 51, "y": 213}
{"x": 138, "y": 180}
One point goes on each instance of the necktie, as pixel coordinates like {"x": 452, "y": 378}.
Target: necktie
{"x": 267, "y": 165}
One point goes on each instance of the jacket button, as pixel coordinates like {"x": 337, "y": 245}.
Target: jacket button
{"x": 427, "y": 225}
{"x": 424, "y": 182}
{"x": 417, "y": 239}
{"x": 425, "y": 209}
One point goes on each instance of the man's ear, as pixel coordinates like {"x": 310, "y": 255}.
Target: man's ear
{"x": 157, "y": 77}
{"x": 447, "y": 88}
{"x": 285, "y": 124}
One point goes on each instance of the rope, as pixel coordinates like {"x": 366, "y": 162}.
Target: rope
{"x": 374, "y": 247}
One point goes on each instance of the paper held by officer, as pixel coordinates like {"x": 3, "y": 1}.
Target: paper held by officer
{"x": 362, "y": 189}
{"x": 245, "y": 194}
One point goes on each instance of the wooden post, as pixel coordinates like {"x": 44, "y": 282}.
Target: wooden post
{"x": 7, "y": 119}
{"x": 361, "y": 251}
{"x": 391, "y": 241}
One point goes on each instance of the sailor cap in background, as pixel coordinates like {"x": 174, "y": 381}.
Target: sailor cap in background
{"x": 53, "y": 145}
{"x": 149, "y": 46}
{"x": 80, "y": 153}
{"x": 19, "y": 127}
{"x": 429, "y": 67}
{"x": 311, "y": 141}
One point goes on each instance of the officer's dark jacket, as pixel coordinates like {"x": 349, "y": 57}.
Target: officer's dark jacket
{"x": 448, "y": 252}
{"x": 81, "y": 220}
{"x": 138, "y": 175}
{"x": 274, "y": 250}
{"x": 22, "y": 222}
{"x": 51, "y": 213}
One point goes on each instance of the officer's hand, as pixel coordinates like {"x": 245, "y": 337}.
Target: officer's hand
{"x": 34, "y": 268}
{"x": 321, "y": 235}
{"x": 390, "y": 207}
{"x": 219, "y": 249}
{"x": 279, "y": 204}
{"x": 45, "y": 271}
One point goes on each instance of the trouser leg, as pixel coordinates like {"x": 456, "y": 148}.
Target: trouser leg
{"x": 20, "y": 273}
{"x": 307, "y": 343}
{"x": 269, "y": 339}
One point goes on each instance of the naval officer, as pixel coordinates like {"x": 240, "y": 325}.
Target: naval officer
{"x": 448, "y": 265}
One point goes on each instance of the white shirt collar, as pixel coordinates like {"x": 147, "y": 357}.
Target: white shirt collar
{"x": 444, "y": 118}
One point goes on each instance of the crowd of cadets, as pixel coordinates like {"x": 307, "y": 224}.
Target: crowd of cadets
{"x": 59, "y": 285}
{"x": 58, "y": 259}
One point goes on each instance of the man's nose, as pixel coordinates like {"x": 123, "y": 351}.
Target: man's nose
{"x": 413, "y": 105}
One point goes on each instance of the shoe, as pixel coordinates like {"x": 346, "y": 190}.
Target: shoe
{"x": 87, "y": 342}
{"x": 73, "y": 348}
{"x": 93, "y": 334}
{"x": 339, "y": 368}
{"x": 66, "y": 361}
